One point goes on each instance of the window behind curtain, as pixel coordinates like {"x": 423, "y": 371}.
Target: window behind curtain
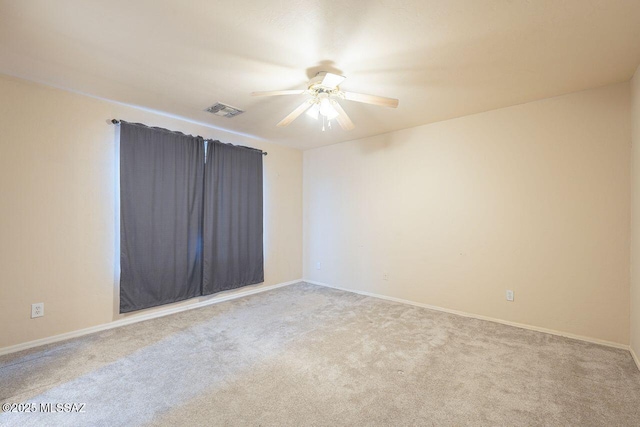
{"x": 187, "y": 228}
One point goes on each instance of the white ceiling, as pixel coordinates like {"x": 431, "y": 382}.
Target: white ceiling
{"x": 442, "y": 59}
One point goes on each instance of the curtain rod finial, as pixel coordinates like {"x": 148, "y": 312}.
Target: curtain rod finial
{"x": 115, "y": 122}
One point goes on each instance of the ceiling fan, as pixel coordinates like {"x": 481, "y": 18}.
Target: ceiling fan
{"x": 325, "y": 92}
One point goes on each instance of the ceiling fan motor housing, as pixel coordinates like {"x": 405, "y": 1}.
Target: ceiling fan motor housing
{"x": 324, "y": 81}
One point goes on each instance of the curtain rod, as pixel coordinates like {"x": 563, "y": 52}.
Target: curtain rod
{"x": 264, "y": 153}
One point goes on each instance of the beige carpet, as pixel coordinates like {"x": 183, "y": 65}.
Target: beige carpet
{"x": 308, "y": 355}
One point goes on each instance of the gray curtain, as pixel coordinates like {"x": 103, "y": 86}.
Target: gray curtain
{"x": 161, "y": 207}
{"x": 232, "y": 233}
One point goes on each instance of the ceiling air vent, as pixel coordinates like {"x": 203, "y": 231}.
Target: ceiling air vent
{"x": 223, "y": 110}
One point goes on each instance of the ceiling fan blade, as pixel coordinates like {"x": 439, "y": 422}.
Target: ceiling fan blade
{"x": 295, "y": 113}
{"x": 331, "y": 80}
{"x": 343, "y": 120}
{"x": 371, "y": 99}
{"x": 278, "y": 92}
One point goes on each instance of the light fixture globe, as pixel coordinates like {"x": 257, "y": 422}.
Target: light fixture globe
{"x": 327, "y": 109}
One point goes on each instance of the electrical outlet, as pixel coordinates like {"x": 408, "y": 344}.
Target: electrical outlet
{"x": 37, "y": 310}
{"x": 385, "y": 276}
{"x": 509, "y": 295}
{"x": 318, "y": 265}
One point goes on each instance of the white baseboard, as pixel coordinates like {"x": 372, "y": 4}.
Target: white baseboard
{"x": 140, "y": 318}
{"x": 480, "y": 317}
{"x": 635, "y": 357}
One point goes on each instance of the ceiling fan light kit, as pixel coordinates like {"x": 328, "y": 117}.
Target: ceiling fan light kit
{"x": 325, "y": 92}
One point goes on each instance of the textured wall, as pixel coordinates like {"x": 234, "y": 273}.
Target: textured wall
{"x": 59, "y": 220}
{"x": 635, "y": 218}
{"x": 533, "y": 198}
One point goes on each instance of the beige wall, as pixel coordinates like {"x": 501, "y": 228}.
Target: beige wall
{"x": 59, "y": 217}
{"x": 635, "y": 219}
{"x": 533, "y": 198}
